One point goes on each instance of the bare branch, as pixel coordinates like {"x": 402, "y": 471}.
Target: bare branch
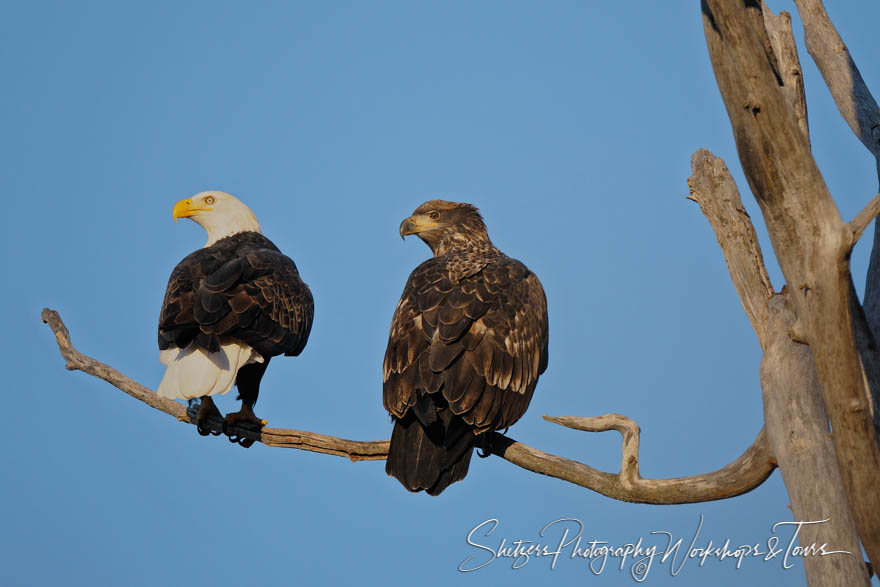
{"x": 740, "y": 476}
{"x": 858, "y": 224}
{"x": 353, "y": 449}
{"x": 848, "y": 88}
{"x": 782, "y": 40}
{"x": 712, "y": 187}
{"x": 629, "y": 430}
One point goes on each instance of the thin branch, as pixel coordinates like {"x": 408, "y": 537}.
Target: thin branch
{"x": 713, "y": 188}
{"x": 740, "y": 476}
{"x": 629, "y": 430}
{"x": 744, "y": 474}
{"x": 858, "y": 224}
{"x": 785, "y": 49}
{"x": 353, "y": 449}
{"x": 848, "y": 88}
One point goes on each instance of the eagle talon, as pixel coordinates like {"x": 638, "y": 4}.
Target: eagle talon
{"x": 207, "y": 408}
{"x": 245, "y": 418}
{"x": 234, "y": 438}
{"x": 484, "y": 446}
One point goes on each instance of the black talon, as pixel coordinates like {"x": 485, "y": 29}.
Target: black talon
{"x": 234, "y": 438}
{"x": 483, "y": 450}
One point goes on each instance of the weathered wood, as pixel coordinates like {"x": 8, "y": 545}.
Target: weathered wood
{"x": 858, "y": 224}
{"x": 808, "y": 235}
{"x": 793, "y": 410}
{"x": 797, "y": 433}
{"x": 843, "y": 78}
{"x": 789, "y": 65}
{"x": 629, "y": 475}
{"x": 741, "y": 476}
{"x": 858, "y": 108}
{"x": 712, "y": 187}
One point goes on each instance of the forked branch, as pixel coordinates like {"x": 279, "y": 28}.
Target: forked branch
{"x": 740, "y": 476}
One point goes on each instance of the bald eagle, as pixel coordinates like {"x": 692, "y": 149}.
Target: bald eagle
{"x": 228, "y": 309}
{"x": 468, "y": 342}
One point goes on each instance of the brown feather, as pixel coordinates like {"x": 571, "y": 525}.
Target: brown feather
{"x": 471, "y": 323}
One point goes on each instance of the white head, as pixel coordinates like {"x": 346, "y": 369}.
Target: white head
{"x": 219, "y": 213}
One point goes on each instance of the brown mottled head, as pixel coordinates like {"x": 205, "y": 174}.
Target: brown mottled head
{"x": 447, "y": 226}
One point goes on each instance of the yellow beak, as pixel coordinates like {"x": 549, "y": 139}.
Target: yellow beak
{"x": 185, "y": 209}
{"x": 415, "y": 225}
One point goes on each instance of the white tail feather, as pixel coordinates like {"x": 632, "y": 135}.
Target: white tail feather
{"x": 193, "y": 372}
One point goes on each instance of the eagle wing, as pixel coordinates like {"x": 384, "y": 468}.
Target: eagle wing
{"x": 252, "y": 294}
{"x": 481, "y": 342}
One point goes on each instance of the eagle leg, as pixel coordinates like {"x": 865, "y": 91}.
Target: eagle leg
{"x": 248, "y": 382}
{"x": 207, "y": 408}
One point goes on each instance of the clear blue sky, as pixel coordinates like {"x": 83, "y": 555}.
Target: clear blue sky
{"x": 570, "y": 124}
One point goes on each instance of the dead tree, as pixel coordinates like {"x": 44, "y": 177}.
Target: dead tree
{"x": 820, "y": 363}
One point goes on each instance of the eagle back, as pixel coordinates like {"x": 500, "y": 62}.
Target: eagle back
{"x": 242, "y": 288}
{"x": 477, "y": 337}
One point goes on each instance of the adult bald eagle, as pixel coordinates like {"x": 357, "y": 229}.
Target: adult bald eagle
{"x": 468, "y": 342}
{"x": 228, "y": 309}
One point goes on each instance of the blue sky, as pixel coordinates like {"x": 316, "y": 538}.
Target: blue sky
{"x": 570, "y": 124}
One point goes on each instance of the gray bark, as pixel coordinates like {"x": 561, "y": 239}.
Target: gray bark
{"x": 797, "y": 431}
{"x": 810, "y": 240}
{"x": 794, "y": 415}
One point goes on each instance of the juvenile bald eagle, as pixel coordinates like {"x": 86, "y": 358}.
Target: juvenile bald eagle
{"x": 468, "y": 342}
{"x": 228, "y": 309}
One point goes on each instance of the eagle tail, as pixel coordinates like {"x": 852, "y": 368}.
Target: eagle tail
{"x": 429, "y": 457}
{"x": 194, "y": 372}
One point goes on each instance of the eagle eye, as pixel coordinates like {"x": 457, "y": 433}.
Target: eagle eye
{"x": 433, "y": 215}
{"x": 209, "y": 199}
